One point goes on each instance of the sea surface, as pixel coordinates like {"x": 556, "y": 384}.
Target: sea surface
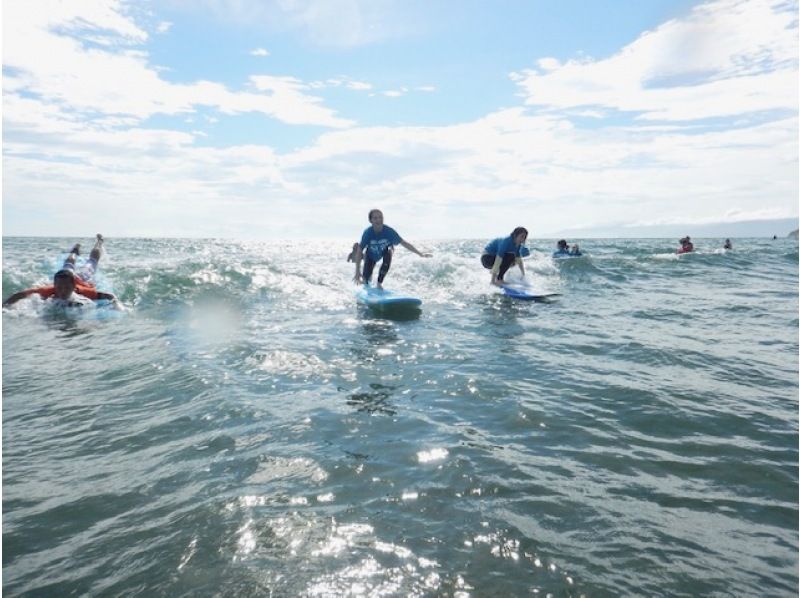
{"x": 246, "y": 429}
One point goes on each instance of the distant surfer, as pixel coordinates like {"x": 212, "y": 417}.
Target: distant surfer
{"x": 377, "y": 245}
{"x": 502, "y": 253}
{"x": 562, "y": 249}
{"x": 728, "y": 244}
{"x": 71, "y": 287}
{"x": 575, "y": 251}
{"x": 686, "y": 245}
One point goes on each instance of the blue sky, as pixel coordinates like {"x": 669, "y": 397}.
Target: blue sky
{"x": 274, "y": 119}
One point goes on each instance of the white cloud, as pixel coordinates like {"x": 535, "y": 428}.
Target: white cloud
{"x": 333, "y": 23}
{"x": 60, "y": 68}
{"x": 725, "y": 58}
{"x": 287, "y": 102}
{"x": 341, "y": 82}
{"x": 259, "y": 52}
{"x": 531, "y": 165}
{"x": 163, "y": 26}
{"x": 510, "y": 164}
{"x": 359, "y": 85}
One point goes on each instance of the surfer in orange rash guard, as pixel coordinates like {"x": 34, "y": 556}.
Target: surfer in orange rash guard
{"x": 70, "y": 287}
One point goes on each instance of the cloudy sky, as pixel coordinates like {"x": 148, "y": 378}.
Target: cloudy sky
{"x": 292, "y": 118}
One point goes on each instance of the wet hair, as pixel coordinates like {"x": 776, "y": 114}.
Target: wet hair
{"x": 518, "y": 230}
{"x": 64, "y": 274}
{"x": 371, "y": 212}
{"x": 562, "y": 243}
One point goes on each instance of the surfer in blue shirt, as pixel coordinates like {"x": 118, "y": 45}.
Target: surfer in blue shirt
{"x": 562, "y": 249}
{"x": 377, "y": 245}
{"x": 501, "y": 253}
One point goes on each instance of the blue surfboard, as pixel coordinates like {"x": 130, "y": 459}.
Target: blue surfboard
{"x": 522, "y": 295}
{"x": 375, "y": 297}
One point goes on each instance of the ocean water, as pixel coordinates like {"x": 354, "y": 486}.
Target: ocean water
{"x": 245, "y": 429}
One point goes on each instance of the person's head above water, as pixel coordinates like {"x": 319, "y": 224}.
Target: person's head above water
{"x": 562, "y": 244}
{"x": 64, "y": 283}
{"x": 519, "y": 234}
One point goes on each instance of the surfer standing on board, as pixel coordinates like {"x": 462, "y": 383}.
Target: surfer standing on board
{"x": 500, "y": 254}
{"x": 377, "y": 245}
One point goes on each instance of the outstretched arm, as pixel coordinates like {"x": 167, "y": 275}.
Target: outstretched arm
{"x": 15, "y": 297}
{"x": 110, "y": 297}
{"x": 521, "y": 266}
{"x": 413, "y": 249}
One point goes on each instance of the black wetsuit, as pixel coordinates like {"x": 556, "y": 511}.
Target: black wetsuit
{"x": 369, "y": 265}
{"x": 487, "y": 259}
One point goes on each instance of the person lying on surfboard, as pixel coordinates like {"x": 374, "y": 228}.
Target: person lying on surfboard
{"x": 71, "y": 288}
{"x": 379, "y": 242}
{"x": 501, "y": 253}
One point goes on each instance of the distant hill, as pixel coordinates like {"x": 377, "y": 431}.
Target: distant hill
{"x": 793, "y": 234}
{"x": 748, "y": 228}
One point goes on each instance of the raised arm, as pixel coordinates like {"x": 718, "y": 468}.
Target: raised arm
{"x": 413, "y": 249}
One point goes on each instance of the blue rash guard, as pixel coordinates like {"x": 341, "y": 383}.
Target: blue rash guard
{"x": 504, "y": 245}
{"x": 376, "y": 243}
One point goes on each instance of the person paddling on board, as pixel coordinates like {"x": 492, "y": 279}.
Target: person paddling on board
{"x": 501, "y": 253}
{"x": 686, "y": 245}
{"x": 72, "y": 288}
{"x": 562, "y": 249}
{"x": 728, "y": 244}
{"x": 379, "y": 242}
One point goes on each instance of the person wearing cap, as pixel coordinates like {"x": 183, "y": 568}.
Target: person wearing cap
{"x": 501, "y": 253}
{"x": 71, "y": 288}
{"x": 377, "y": 245}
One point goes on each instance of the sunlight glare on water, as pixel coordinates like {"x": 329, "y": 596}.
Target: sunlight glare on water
{"x": 246, "y": 428}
